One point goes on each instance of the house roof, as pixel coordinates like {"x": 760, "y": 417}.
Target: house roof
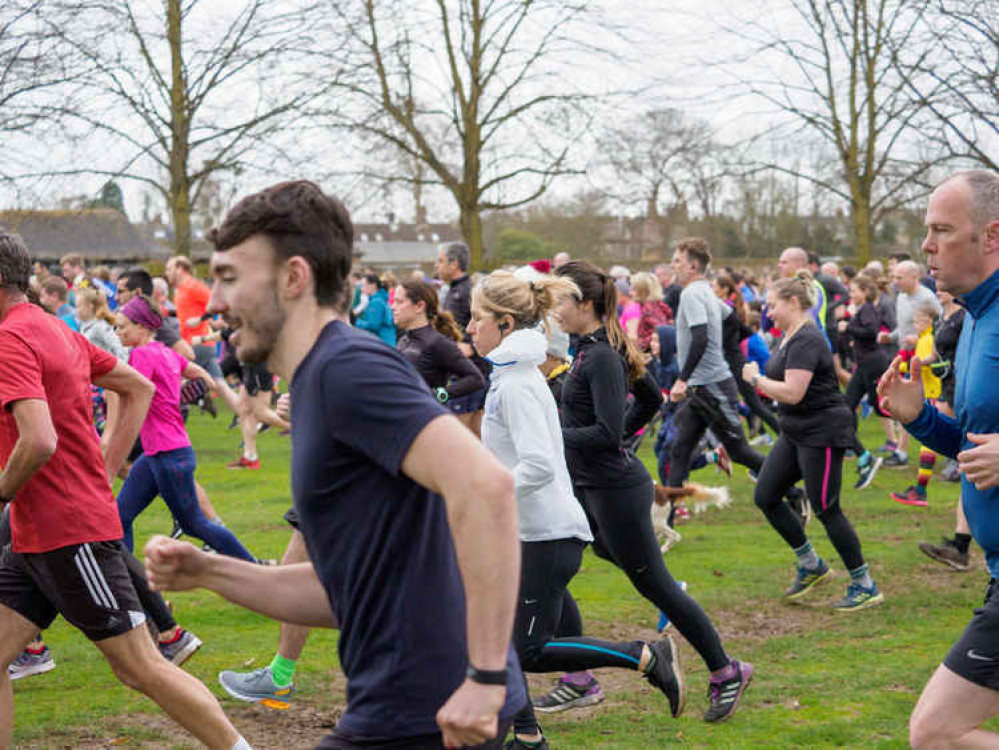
{"x": 98, "y": 234}
{"x": 399, "y": 232}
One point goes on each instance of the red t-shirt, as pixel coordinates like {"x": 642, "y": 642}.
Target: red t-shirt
{"x": 69, "y": 500}
{"x": 191, "y": 299}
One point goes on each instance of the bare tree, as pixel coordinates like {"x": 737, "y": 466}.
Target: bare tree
{"x": 958, "y": 84}
{"x": 476, "y": 91}
{"x": 828, "y": 71}
{"x": 174, "y": 106}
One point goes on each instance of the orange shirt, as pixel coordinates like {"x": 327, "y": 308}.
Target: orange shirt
{"x": 191, "y": 298}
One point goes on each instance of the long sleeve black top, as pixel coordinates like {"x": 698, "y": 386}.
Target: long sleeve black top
{"x": 438, "y": 360}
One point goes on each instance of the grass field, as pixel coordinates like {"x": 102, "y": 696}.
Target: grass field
{"x": 823, "y": 679}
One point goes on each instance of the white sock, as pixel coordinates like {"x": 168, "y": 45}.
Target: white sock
{"x": 242, "y": 744}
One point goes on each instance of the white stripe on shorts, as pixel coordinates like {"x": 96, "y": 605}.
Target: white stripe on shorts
{"x": 96, "y": 577}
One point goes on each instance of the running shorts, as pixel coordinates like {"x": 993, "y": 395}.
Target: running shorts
{"x": 975, "y": 656}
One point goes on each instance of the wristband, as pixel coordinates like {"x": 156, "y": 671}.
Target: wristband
{"x": 755, "y": 380}
{"x": 487, "y": 676}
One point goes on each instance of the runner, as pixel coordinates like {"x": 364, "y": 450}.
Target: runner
{"x": 521, "y": 426}
{"x": 66, "y": 556}
{"x": 816, "y": 428}
{"x": 610, "y": 481}
{"x": 167, "y": 464}
{"x": 423, "y": 589}
{"x": 428, "y": 342}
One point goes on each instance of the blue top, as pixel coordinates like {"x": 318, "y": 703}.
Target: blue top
{"x": 67, "y": 315}
{"x": 377, "y": 318}
{"x": 757, "y": 351}
{"x": 380, "y": 543}
{"x": 976, "y": 406}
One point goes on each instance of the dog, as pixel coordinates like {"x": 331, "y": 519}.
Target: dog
{"x": 698, "y": 495}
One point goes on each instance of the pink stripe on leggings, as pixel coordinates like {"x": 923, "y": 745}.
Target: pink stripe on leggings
{"x": 825, "y": 477}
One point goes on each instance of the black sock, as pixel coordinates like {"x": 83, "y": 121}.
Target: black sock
{"x": 961, "y": 541}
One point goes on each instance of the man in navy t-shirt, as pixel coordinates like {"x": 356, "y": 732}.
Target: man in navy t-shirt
{"x": 410, "y": 523}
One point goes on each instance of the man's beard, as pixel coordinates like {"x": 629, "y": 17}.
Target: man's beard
{"x": 266, "y": 328}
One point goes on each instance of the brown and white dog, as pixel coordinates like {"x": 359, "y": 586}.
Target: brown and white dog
{"x": 699, "y": 496}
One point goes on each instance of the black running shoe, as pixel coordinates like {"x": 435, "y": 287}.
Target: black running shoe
{"x": 518, "y": 744}
{"x": 665, "y": 673}
{"x": 724, "y": 695}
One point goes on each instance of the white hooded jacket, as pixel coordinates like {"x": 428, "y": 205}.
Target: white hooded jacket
{"x": 521, "y": 427}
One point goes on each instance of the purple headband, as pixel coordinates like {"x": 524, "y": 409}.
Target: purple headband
{"x": 138, "y": 311}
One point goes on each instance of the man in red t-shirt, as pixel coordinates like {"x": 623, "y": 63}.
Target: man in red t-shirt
{"x": 66, "y": 555}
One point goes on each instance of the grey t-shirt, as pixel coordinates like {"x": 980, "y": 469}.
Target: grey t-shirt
{"x": 699, "y": 306}
{"x": 905, "y": 306}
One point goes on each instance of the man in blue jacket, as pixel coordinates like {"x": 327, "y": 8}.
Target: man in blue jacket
{"x": 962, "y": 248}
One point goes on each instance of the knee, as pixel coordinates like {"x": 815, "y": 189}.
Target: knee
{"x": 763, "y": 500}
{"x": 925, "y": 731}
{"x": 530, "y": 656}
{"x": 139, "y": 674}
{"x": 830, "y": 514}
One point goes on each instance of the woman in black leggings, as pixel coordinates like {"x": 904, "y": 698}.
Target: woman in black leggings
{"x": 610, "y": 481}
{"x": 816, "y": 428}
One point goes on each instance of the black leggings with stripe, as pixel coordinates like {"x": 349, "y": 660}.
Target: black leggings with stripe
{"x": 822, "y": 470}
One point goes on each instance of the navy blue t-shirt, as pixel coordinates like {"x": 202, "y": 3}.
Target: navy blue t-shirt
{"x": 380, "y": 543}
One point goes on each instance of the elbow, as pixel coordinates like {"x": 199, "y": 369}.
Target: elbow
{"x": 43, "y": 446}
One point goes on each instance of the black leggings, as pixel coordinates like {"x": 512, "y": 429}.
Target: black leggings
{"x": 621, "y": 520}
{"x": 864, "y": 381}
{"x": 547, "y": 633}
{"x": 151, "y": 601}
{"x": 822, "y": 470}
{"x": 715, "y": 406}
{"x": 750, "y": 397}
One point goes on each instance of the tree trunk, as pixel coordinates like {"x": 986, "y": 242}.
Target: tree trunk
{"x": 862, "y": 230}
{"x": 471, "y": 231}
{"x": 180, "y": 126}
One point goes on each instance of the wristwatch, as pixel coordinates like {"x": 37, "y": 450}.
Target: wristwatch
{"x": 487, "y": 676}
{"x": 755, "y": 380}
{"x": 442, "y": 395}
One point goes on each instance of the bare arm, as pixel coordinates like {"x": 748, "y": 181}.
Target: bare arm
{"x": 184, "y": 349}
{"x": 134, "y": 394}
{"x": 197, "y": 372}
{"x": 790, "y": 390}
{"x": 36, "y": 442}
{"x": 288, "y": 593}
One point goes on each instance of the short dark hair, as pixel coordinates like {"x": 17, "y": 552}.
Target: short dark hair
{"x": 15, "y": 262}
{"x": 814, "y": 259}
{"x": 696, "y": 249}
{"x": 900, "y": 256}
{"x": 57, "y": 287}
{"x": 458, "y": 252}
{"x": 138, "y": 278}
{"x": 297, "y": 219}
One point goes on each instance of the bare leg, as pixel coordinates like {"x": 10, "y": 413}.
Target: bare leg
{"x": 205, "y": 504}
{"x": 949, "y": 712}
{"x": 227, "y": 393}
{"x": 138, "y": 664}
{"x": 248, "y": 426}
{"x": 261, "y": 405}
{"x": 293, "y": 637}
{"x": 961, "y": 527}
{"x": 16, "y": 633}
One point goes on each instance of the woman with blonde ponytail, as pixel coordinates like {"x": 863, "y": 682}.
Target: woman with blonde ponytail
{"x": 611, "y": 482}
{"x": 428, "y": 342}
{"x": 521, "y": 427}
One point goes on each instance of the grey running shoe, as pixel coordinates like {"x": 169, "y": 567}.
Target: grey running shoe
{"x": 806, "y": 579}
{"x": 724, "y": 695}
{"x": 181, "y": 649}
{"x": 857, "y": 597}
{"x": 951, "y": 472}
{"x": 28, "y": 664}
{"x": 865, "y": 473}
{"x": 567, "y": 694}
{"x": 666, "y": 674}
{"x": 255, "y": 686}
{"x": 895, "y": 461}
{"x": 947, "y": 553}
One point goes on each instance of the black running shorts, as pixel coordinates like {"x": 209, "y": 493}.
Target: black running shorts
{"x": 291, "y": 516}
{"x": 88, "y": 584}
{"x": 975, "y": 656}
{"x": 337, "y": 741}
{"x": 257, "y": 378}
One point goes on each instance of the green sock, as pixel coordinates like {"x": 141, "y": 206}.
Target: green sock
{"x": 283, "y": 670}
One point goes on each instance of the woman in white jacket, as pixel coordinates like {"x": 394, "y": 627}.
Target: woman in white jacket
{"x": 521, "y": 426}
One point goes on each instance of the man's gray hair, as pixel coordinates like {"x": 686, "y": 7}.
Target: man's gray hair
{"x": 984, "y": 186}
{"x": 15, "y": 262}
{"x": 458, "y": 252}
{"x": 160, "y": 285}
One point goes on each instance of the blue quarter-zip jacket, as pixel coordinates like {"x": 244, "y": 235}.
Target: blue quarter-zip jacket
{"x": 977, "y": 409}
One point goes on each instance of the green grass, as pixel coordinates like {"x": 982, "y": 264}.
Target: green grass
{"x": 823, "y": 679}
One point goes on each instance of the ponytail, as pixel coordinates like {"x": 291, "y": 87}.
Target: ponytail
{"x": 445, "y": 324}
{"x": 527, "y": 302}
{"x": 616, "y": 335}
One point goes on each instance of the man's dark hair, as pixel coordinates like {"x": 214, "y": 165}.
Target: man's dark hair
{"x": 138, "y": 278}
{"x": 297, "y": 218}
{"x": 899, "y": 257}
{"x": 814, "y": 259}
{"x": 458, "y": 252}
{"x": 696, "y": 249}
{"x": 15, "y": 262}
{"x": 373, "y": 279}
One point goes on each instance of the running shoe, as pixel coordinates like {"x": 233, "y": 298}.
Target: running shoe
{"x": 753, "y": 476}
{"x": 181, "y": 648}
{"x": 866, "y": 472}
{"x": 567, "y": 694}
{"x": 244, "y": 463}
{"x": 518, "y": 744}
{"x": 947, "y": 553}
{"x": 207, "y": 404}
{"x": 911, "y": 496}
{"x": 888, "y": 447}
{"x": 724, "y": 462}
{"x": 177, "y": 532}
{"x": 682, "y": 515}
{"x": 895, "y": 461}
{"x": 665, "y": 673}
{"x": 951, "y": 472}
{"x": 806, "y": 579}
{"x": 29, "y": 663}
{"x": 724, "y": 695}
{"x": 255, "y": 687}
{"x": 762, "y": 439}
{"x": 858, "y": 597}
{"x": 234, "y": 423}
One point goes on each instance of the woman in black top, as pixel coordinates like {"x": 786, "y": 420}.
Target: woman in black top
{"x": 428, "y": 342}
{"x": 613, "y": 484}
{"x": 816, "y": 428}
